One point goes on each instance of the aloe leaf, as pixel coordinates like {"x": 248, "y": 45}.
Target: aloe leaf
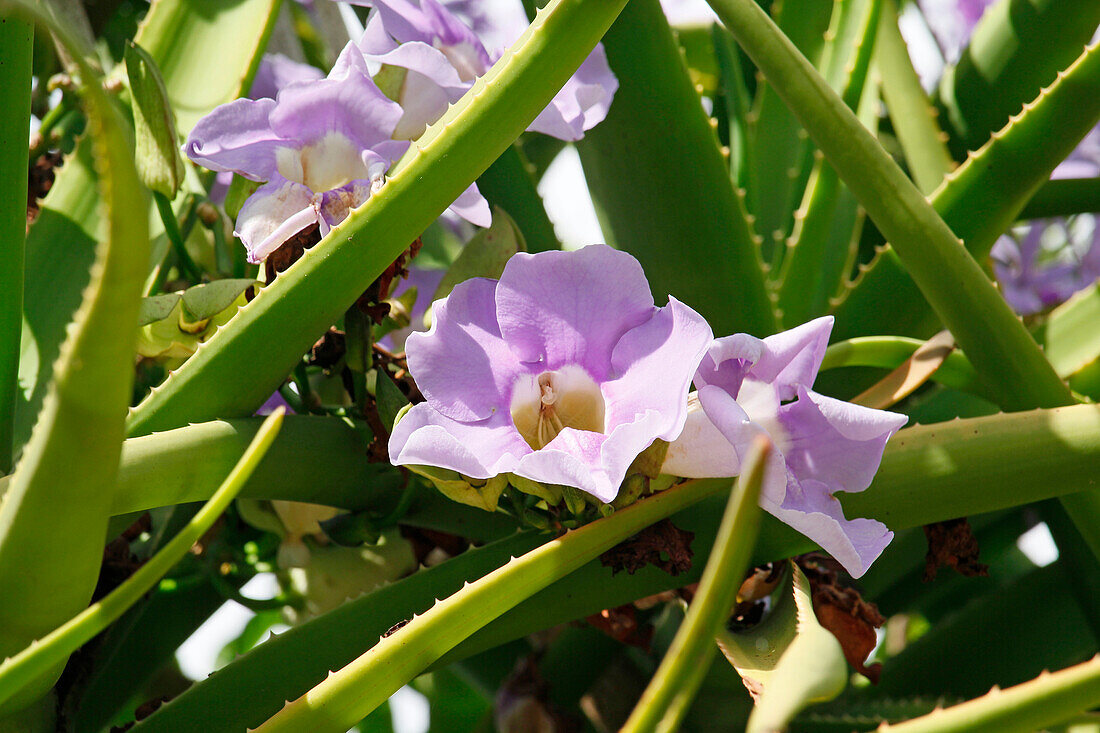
{"x": 54, "y": 648}
{"x": 980, "y": 199}
{"x": 788, "y": 660}
{"x": 1063, "y": 197}
{"x": 241, "y": 365}
{"x": 776, "y": 134}
{"x": 510, "y": 184}
{"x": 16, "y": 45}
{"x": 49, "y": 560}
{"x": 993, "y": 338}
{"x": 485, "y": 255}
{"x": 1048, "y": 699}
{"x": 201, "y": 302}
{"x": 348, "y": 695}
{"x": 654, "y": 163}
{"x": 1017, "y": 48}
{"x": 928, "y": 474}
{"x": 1069, "y": 336}
{"x": 672, "y": 688}
{"x": 61, "y": 244}
{"x": 910, "y": 110}
{"x": 802, "y": 288}
{"x": 739, "y": 106}
{"x": 890, "y": 352}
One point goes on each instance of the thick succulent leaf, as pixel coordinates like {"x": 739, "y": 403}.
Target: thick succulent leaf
{"x": 911, "y": 112}
{"x": 670, "y": 692}
{"x": 654, "y": 163}
{"x": 980, "y": 200}
{"x": 803, "y": 288}
{"x": 236, "y": 370}
{"x": 61, "y": 244}
{"x": 510, "y": 184}
{"x": 16, "y": 45}
{"x": 788, "y": 660}
{"x": 776, "y": 135}
{"x": 20, "y": 671}
{"x": 49, "y": 559}
{"x": 985, "y": 327}
{"x": 1017, "y": 48}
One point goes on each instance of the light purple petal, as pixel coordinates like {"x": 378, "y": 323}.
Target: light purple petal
{"x": 655, "y": 363}
{"x": 727, "y": 362}
{"x": 813, "y": 511}
{"x": 462, "y": 365}
{"x": 791, "y": 358}
{"x": 574, "y": 458}
{"x": 835, "y": 442}
{"x": 338, "y": 203}
{"x": 582, "y": 103}
{"x": 350, "y": 105}
{"x": 277, "y": 71}
{"x": 273, "y": 214}
{"x": 473, "y": 207}
{"x": 236, "y": 138}
{"x": 481, "y": 449}
{"x": 559, "y": 308}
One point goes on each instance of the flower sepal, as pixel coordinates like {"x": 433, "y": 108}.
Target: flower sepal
{"x": 475, "y": 492}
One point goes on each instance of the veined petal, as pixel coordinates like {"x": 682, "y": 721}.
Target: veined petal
{"x": 473, "y": 207}
{"x": 277, "y": 71}
{"x": 835, "y": 442}
{"x": 236, "y": 138}
{"x": 462, "y": 365}
{"x": 482, "y": 449}
{"x": 655, "y": 363}
{"x": 273, "y": 214}
{"x": 559, "y": 308}
{"x": 582, "y": 103}
{"x": 813, "y": 511}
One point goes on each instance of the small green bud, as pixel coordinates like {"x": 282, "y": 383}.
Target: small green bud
{"x": 157, "y": 152}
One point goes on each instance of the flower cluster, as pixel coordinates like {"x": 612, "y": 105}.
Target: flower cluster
{"x": 320, "y": 146}
{"x": 564, "y": 371}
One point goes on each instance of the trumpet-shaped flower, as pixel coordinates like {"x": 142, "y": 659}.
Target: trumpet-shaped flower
{"x": 747, "y": 387}
{"x": 562, "y": 372}
{"x": 442, "y": 56}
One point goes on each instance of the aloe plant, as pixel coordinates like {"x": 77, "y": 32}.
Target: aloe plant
{"x": 504, "y": 486}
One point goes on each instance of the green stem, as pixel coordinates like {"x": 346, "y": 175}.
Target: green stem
{"x": 348, "y": 695}
{"x": 966, "y": 301}
{"x": 187, "y": 265}
{"x": 55, "y": 647}
{"x": 710, "y": 608}
{"x": 16, "y": 42}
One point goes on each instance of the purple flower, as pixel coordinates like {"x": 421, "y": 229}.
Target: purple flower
{"x": 317, "y": 147}
{"x": 443, "y": 56}
{"x": 747, "y": 387}
{"x": 562, "y": 373}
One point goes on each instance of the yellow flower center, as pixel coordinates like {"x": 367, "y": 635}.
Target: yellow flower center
{"x": 544, "y": 405}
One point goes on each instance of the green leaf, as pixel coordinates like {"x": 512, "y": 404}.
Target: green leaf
{"x": 980, "y": 200}
{"x": 390, "y": 399}
{"x": 911, "y": 112}
{"x": 776, "y": 135}
{"x": 16, "y": 45}
{"x": 49, "y": 560}
{"x": 243, "y": 363}
{"x": 349, "y": 694}
{"x": 157, "y": 156}
{"x": 157, "y": 308}
{"x": 24, "y": 668}
{"x": 510, "y": 185}
{"x": 1069, "y": 336}
{"x": 788, "y": 660}
{"x": 1044, "y": 701}
{"x": 201, "y": 302}
{"x": 648, "y": 193}
{"x": 61, "y": 244}
{"x": 803, "y": 288}
{"x": 1016, "y": 49}
{"x": 993, "y": 338}
{"x": 673, "y": 687}
{"x": 485, "y": 255}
